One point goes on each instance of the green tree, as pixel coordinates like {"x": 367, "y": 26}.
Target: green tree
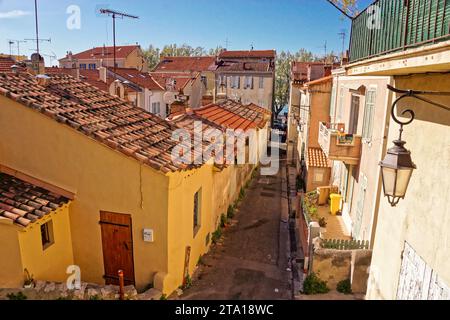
{"x": 283, "y": 75}
{"x": 216, "y": 51}
{"x": 152, "y": 55}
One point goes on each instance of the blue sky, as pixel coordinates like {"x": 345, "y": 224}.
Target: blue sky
{"x": 265, "y": 24}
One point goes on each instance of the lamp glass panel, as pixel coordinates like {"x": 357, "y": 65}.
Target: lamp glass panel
{"x": 389, "y": 177}
{"x": 403, "y": 177}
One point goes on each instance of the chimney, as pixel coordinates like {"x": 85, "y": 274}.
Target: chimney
{"x": 37, "y": 65}
{"x": 75, "y": 72}
{"x": 43, "y": 80}
{"x": 102, "y": 74}
{"x": 15, "y": 69}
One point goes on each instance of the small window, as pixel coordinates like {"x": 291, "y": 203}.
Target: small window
{"x": 167, "y": 109}
{"x": 92, "y": 66}
{"x": 83, "y": 66}
{"x": 369, "y": 113}
{"x": 197, "y": 211}
{"x": 47, "y": 235}
{"x": 156, "y": 108}
{"x": 261, "y": 82}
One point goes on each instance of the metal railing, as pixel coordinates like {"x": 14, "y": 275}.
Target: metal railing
{"x": 389, "y": 26}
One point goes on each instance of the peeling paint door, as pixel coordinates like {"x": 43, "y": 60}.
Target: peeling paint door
{"x": 117, "y": 244}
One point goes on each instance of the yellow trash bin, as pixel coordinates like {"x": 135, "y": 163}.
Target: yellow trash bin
{"x": 335, "y": 205}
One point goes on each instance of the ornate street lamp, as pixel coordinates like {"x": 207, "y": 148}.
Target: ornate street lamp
{"x": 397, "y": 167}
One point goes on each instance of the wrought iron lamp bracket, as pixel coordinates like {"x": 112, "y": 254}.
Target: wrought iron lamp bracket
{"x": 414, "y": 95}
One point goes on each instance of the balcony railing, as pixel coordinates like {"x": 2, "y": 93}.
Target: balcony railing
{"x": 395, "y": 25}
{"x": 339, "y": 146}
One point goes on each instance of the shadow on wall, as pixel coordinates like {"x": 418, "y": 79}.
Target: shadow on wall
{"x": 425, "y": 111}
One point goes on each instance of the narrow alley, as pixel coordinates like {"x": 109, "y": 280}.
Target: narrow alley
{"x": 251, "y": 261}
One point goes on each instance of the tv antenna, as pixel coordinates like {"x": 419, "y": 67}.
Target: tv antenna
{"x": 343, "y": 36}
{"x": 11, "y": 42}
{"x": 227, "y": 43}
{"x": 116, "y": 14}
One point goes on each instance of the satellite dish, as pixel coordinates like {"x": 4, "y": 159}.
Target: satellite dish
{"x": 169, "y": 97}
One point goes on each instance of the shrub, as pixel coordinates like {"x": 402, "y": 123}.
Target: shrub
{"x": 216, "y": 235}
{"x": 314, "y": 285}
{"x": 200, "y": 261}
{"x": 241, "y": 195}
{"x": 188, "y": 283}
{"x": 18, "y": 296}
{"x": 323, "y": 222}
{"x": 230, "y": 212}
{"x": 223, "y": 220}
{"x": 95, "y": 298}
{"x": 344, "y": 287}
{"x": 163, "y": 297}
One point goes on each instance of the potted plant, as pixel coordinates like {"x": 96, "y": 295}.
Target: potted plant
{"x": 29, "y": 280}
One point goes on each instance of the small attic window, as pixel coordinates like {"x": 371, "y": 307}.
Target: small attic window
{"x": 47, "y": 237}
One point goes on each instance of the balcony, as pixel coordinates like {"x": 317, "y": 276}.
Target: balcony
{"x": 398, "y": 26}
{"x": 339, "y": 146}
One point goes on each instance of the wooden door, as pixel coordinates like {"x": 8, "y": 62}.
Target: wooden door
{"x": 117, "y": 243}
{"x": 354, "y": 115}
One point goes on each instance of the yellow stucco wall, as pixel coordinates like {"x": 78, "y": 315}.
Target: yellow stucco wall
{"x": 11, "y": 270}
{"x": 102, "y": 180}
{"x": 423, "y": 217}
{"x": 105, "y": 180}
{"x": 49, "y": 264}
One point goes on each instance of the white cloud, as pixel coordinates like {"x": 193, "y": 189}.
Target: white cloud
{"x": 14, "y": 14}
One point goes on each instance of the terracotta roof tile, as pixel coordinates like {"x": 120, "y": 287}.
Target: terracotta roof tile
{"x": 106, "y": 52}
{"x": 248, "y": 54}
{"x": 317, "y": 158}
{"x": 142, "y": 79}
{"x": 6, "y": 63}
{"x": 110, "y": 120}
{"x": 24, "y": 203}
{"x": 232, "y": 115}
{"x": 185, "y": 64}
{"x": 247, "y": 67}
{"x": 181, "y": 79}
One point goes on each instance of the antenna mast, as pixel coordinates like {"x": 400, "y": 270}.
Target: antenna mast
{"x": 343, "y": 36}
{"x": 114, "y": 14}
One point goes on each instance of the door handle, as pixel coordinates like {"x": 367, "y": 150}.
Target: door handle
{"x": 126, "y": 245}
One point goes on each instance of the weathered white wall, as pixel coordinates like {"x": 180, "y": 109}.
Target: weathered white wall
{"x": 423, "y": 217}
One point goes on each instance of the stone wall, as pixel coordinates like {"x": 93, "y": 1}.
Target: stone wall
{"x": 334, "y": 266}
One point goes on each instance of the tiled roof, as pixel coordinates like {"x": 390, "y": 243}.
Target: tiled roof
{"x": 183, "y": 64}
{"x": 182, "y": 79}
{"x": 317, "y": 158}
{"x": 24, "y": 203}
{"x": 142, "y": 79}
{"x": 232, "y": 115}
{"x": 257, "y": 108}
{"x": 107, "y": 119}
{"x": 248, "y": 54}
{"x": 320, "y": 81}
{"x": 106, "y": 52}
{"x": 6, "y": 63}
{"x": 250, "y": 112}
{"x": 90, "y": 76}
{"x": 228, "y": 66}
